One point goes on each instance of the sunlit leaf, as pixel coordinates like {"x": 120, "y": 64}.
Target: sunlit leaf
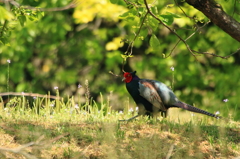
{"x": 4, "y": 14}
{"x": 154, "y": 42}
{"x": 170, "y": 5}
{"x": 153, "y": 23}
{"x": 148, "y": 1}
{"x": 155, "y": 10}
{"x": 174, "y": 15}
{"x": 88, "y": 10}
{"x": 22, "y": 20}
{"x": 143, "y": 33}
{"x": 114, "y": 44}
{"x": 40, "y": 14}
{"x": 131, "y": 13}
{"x": 167, "y": 19}
{"x": 124, "y": 57}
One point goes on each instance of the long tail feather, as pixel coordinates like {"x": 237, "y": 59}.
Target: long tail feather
{"x": 194, "y": 109}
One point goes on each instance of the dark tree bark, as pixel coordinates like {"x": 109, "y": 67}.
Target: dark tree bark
{"x": 216, "y": 14}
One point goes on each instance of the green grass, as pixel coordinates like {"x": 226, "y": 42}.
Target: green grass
{"x": 66, "y": 129}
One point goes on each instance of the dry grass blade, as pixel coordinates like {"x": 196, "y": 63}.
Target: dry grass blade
{"x": 21, "y": 149}
{"x": 38, "y": 143}
{"x": 169, "y": 154}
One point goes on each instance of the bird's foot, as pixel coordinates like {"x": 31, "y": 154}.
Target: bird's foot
{"x": 129, "y": 118}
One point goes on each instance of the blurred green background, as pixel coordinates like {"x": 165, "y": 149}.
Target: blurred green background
{"x": 67, "y": 47}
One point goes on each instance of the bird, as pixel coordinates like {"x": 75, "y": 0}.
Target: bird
{"x": 152, "y": 97}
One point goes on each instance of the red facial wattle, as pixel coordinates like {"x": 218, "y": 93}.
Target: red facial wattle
{"x": 127, "y": 77}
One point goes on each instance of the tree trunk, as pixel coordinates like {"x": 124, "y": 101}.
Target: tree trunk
{"x": 216, "y": 14}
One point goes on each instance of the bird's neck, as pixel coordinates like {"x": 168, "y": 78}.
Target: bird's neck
{"x": 135, "y": 78}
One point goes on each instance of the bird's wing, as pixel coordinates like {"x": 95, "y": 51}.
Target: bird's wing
{"x": 165, "y": 93}
{"x": 148, "y": 91}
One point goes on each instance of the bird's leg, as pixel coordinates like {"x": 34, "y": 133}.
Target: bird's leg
{"x": 129, "y": 118}
{"x": 149, "y": 114}
{"x": 164, "y": 114}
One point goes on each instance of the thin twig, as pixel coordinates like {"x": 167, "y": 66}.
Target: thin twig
{"x": 3, "y": 28}
{"x": 73, "y": 4}
{"x": 22, "y": 148}
{"x": 130, "y": 46}
{"x": 212, "y": 54}
{"x": 197, "y": 30}
{"x": 236, "y": 52}
{"x": 173, "y": 48}
{"x": 29, "y": 94}
{"x": 127, "y": 2}
{"x": 234, "y": 8}
{"x": 58, "y": 137}
{"x": 123, "y": 65}
{"x": 184, "y": 11}
{"x": 6, "y": 4}
{"x": 171, "y": 30}
{"x": 114, "y": 74}
{"x": 184, "y": 41}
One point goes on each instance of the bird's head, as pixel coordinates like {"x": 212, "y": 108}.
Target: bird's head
{"x": 128, "y": 76}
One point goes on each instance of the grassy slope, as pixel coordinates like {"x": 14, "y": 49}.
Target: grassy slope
{"x": 71, "y": 132}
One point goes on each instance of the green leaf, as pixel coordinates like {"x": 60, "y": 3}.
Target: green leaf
{"x": 153, "y": 23}
{"x": 154, "y": 42}
{"x": 149, "y": 2}
{"x": 174, "y": 15}
{"x": 4, "y": 41}
{"x": 4, "y": 14}
{"x": 167, "y": 19}
{"x": 170, "y": 5}
{"x": 143, "y": 33}
{"x": 40, "y": 14}
{"x": 114, "y": 1}
{"x": 126, "y": 56}
{"x": 22, "y": 20}
{"x": 155, "y": 10}
{"x": 132, "y": 13}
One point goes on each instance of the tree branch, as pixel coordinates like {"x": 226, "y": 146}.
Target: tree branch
{"x": 130, "y": 46}
{"x": 73, "y": 4}
{"x": 216, "y": 14}
{"x": 29, "y": 94}
{"x": 185, "y": 41}
{"x": 171, "y": 30}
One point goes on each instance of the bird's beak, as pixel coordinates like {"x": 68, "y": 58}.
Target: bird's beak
{"x": 123, "y": 78}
